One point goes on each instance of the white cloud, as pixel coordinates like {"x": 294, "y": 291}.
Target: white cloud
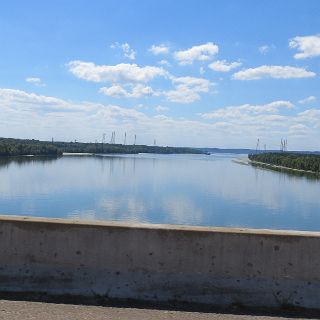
{"x": 164, "y": 62}
{"x": 310, "y": 112}
{"x": 140, "y": 106}
{"x": 16, "y": 98}
{"x": 311, "y": 116}
{"x": 298, "y": 129}
{"x": 137, "y": 91}
{"x": 161, "y": 49}
{"x": 127, "y": 81}
{"x": 23, "y": 101}
{"x": 187, "y": 89}
{"x": 36, "y": 81}
{"x": 268, "y": 121}
{"x": 84, "y": 121}
{"x": 234, "y": 112}
{"x": 141, "y": 90}
{"x": 122, "y": 72}
{"x": 308, "y": 46}
{"x": 161, "y": 108}
{"x": 128, "y": 52}
{"x": 28, "y": 115}
{"x": 116, "y": 91}
{"x": 308, "y": 99}
{"x": 202, "y": 52}
{"x": 264, "y": 49}
{"x": 276, "y": 72}
{"x": 224, "y": 66}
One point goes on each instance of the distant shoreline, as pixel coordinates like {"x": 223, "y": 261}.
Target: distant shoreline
{"x": 280, "y": 167}
{"x": 296, "y": 162}
{"x": 271, "y": 166}
{"x": 23, "y": 147}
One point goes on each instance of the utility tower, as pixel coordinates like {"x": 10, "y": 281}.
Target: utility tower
{"x": 135, "y": 139}
{"x": 284, "y": 145}
{"x": 125, "y": 139}
{"x": 258, "y": 145}
{"x": 113, "y": 137}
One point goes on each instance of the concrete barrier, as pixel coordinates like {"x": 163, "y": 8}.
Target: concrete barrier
{"x": 215, "y": 266}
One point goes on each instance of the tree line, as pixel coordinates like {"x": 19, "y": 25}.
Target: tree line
{"x": 300, "y": 161}
{"x": 17, "y": 147}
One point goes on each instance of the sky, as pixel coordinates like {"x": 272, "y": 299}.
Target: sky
{"x": 203, "y": 73}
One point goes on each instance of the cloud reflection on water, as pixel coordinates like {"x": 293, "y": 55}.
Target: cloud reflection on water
{"x": 183, "y": 189}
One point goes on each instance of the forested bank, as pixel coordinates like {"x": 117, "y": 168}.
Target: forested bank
{"x": 16, "y": 147}
{"x": 307, "y": 162}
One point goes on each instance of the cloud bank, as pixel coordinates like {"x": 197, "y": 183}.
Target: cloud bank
{"x": 275, "y": 72}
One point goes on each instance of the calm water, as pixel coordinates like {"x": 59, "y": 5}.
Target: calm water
{"x": 174, "y": 189}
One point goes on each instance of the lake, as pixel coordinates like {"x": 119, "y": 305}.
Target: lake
{"x": 200, "y": 190}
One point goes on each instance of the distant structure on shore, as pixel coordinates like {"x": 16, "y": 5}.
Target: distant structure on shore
{"x": 284, "y": 145}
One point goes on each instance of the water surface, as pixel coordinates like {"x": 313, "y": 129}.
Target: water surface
{"x": 174, "y": 189}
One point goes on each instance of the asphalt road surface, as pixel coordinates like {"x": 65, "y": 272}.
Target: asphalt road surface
{"x": 21, "y": 310}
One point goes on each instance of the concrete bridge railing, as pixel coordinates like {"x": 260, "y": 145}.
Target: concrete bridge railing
{"x": 215, "y": 266}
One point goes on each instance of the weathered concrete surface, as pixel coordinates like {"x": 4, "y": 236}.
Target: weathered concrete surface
{"x": 18, "y": 310}
{"x": 215, "y": 266}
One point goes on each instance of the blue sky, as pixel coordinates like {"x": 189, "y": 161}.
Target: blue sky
{"x": 192, "y": 73}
